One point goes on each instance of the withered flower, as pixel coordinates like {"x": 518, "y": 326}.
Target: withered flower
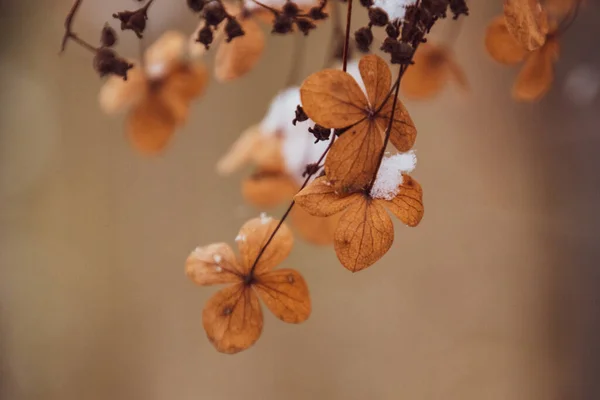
{"x": 537, "y": 74}
{"x": 279, "y": 152}
{"x": 232, "y": 318}
{"x": 434, "y": 67}
{"x": 157, "y": 94}
{"x": 527, "y": 22}
{"x": 365, "y": 231}
{"x": 334, "y": 99}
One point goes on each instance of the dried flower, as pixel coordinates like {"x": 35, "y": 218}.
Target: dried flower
{"x": 527, "y": 22}
{"x": 232, "y": 318}
{"x": 537, "y": 74}
{"x": 157, "y": 96}
{"x": 333, "y": 99}
{"x": 433, "y": 67}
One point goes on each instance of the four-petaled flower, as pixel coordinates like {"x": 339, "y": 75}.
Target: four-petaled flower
{"x": 233, "y": 318}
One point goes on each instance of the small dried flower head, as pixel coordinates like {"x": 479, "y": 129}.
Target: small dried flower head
{"x": 392, "y": 29}
{"x": 282, "y": 24}
{"x": 366, "y": 3}
{"x": 459, "y": 7}
{"x": 378, "y": 16}
{"x": 290, "y": 9}
{"x": 527, "y": 22}
{"x": 300, "y": 115}
{"x": 320, "y": 132}
{"x": 363, "y": 38}
{"x": 106, "y": 62}
{"x": 214, "y": 12}
{"x": 317, "y": 13}
{"x": 233, "y": 29}
{"x": 133, "y": 20}
{"x": 196, "y": 5}
{"x": 108, "y": 37}
{"x": 205, "y": 36}
{"x": 305, "y": 25}
{"x": 400, "y": 51}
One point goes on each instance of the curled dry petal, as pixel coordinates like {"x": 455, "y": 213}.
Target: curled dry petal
{"x": 333, "y": 99}
{"x": 239, "y": 56}
{"x": 241, "y": 152}
{"x": 376, "y": 77}
{"x": 408, "y": 203}
{"x": 254, "y": 235}
{"x": 352, "y": 160}
{"x": 501, "y": 45}
{"x": 285, "y": 293}
{"x": 268, "y": 189}
{"x": 212, "y": 265}
{"x": 165, "y": 54}
{"x": 181, "y": 87}
{"x": 268, "y": 155}
{"x": 527, "y": 22}
{"x": 537, "y": 75}
{"x": 150, "y": 125}
{"x": 118, "y": 95}
{"x": 315, "y": 230}
{"x": 364, "y": 234}
{"x": 233, "y": 319}
{"x": 320, "y": 199}
{"x": 404, "y": 132}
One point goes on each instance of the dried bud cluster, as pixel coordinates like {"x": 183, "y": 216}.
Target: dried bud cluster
{"x": 214, "y": 13}
{"x": 290, "y": 15}
{"x": 133, "y": 20}
{"x": 106, "y": 62}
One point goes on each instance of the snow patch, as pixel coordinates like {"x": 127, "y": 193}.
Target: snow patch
{"x": 395, "y": 9}
{"x": 389, "y": 178}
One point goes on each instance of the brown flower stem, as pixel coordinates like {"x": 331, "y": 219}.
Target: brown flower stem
{"x": 297, "y": 58}
{"x": 69, "y": 34}
{"x": 347, "y": 37}
{"x": 250, "y": 276}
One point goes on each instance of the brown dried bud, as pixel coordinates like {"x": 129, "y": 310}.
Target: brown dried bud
{"x": 366, "y": 3}
{"x": 106, "y": 62}
{"x": 311, "y": 169}
{"x": 290, "y": 9}
{"x": 363, "y": 38}
{"x": 282, "y": 24}
{"x": 378, "y": 16}
{"x": 214, "y": 12}
{"x": 205, "y": 36}
{"x": 435, "y": 8}
{"x": 300, "y": 115}
{"x": 393, "y": 29}
{"x": 320, "y": 132}
{"x": 459, "y": 7}
{"x": 133, "y": 20}
{"x": 195, "y": 5}
{"x": 316, "y": 13}
{"x": 400, "y": 51}
{"x": 233, "y": 29}
{"x": 108, "y": 37}
{"x": 305, "y": 25}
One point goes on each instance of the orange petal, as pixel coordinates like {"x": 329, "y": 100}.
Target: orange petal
{"x": 501, "y": 45}
{"x": 560, "y": 8}
{"x": 527, "y": 22}
{"x": 364, "y": 234}
{"x": 233, "y": 319}
{"x": 428, "y": 75}
{"x": 320, "y": 199}
{"x": 352, "y": 160}
{"x": 285, "y": 293}
{"x": 404, "y": 132}
{"x": 377, "y": 78}
{"x": 267, "y": 155}
{"x": 238, "y": 57}
{"x": 268, "y": 189}
{"x": 188, "y": 81}
{"x": 254, "y": 234}
{"x": 118, "y": 95}
{"x": 150, "y": 125}
{"x": 165, "y": 54}
{"x": 333, "y": 99}
{"x": 537, "y": 75}
{"x": 241, "y": 152}
{"x": 408, "y": 203}
{"x": 315, "y": 230}
{"x": 212, "y": 265}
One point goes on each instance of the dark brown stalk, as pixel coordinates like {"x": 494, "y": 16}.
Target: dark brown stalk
{"x": 69, "y": 34}
{"x": 347, "y": 37}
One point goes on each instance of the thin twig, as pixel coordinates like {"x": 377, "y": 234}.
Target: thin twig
{"x": 69, "y": 34}
{"x": 347, "y": 37}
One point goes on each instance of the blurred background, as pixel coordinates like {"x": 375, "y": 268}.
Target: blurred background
{"x": 493, "y": 297}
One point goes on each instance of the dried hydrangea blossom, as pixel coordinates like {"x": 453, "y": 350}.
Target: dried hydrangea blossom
{"x": 434, "y": 67}
{"x": 158, "y": 93}
{"x": 537, "y": 74}
{"x": 233, "y": 318}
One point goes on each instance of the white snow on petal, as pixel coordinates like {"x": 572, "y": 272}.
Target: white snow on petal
{"x": 395, "y": 9}
{"x": 389, "y": 178}
{"x": 217, "y": 258}
{"x": 240, "y": 238}
{"x": 197, "y": 251}
{"x": 264, "y": 218}
{"x": 218, "y": 269}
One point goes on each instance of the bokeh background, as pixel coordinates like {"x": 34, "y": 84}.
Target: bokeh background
{"x": 493, "y": 297}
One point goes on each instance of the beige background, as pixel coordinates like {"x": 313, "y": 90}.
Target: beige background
{"x": 491, "y": 298}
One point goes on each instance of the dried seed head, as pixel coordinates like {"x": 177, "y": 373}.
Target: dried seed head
{"x": 214, "y": 12}
{"x": 133, "y": 20}
{"x": 459, "y": 7}
{"x": 366, "y": 3}
{"x": 363, "y": 38}
{"x": 106, "y": 62}
{"x": 108, "y": 37}
{"x": 305, "y": 25}
{"x": 205, "y": 36}
{"x": 320, "y": 132}
{"x": 401, "y": 52}
{"x": 290, "y": 9}
{"x": 282, "y": 24}
{"x": 435, "y": 8}
{"x": 317, "y": 13}
{"x": 233, "y": 29}
{"x": 393, "y": 30}
{"x": 195, "y": 5}
{"x": 300, "y": 115}
{"x": 378, "y": 16}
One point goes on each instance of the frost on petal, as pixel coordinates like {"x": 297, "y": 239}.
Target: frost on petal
{"x": 389, "y": 178}
{"x": 395, "y": 9}
{"x": 165, "y": 54}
